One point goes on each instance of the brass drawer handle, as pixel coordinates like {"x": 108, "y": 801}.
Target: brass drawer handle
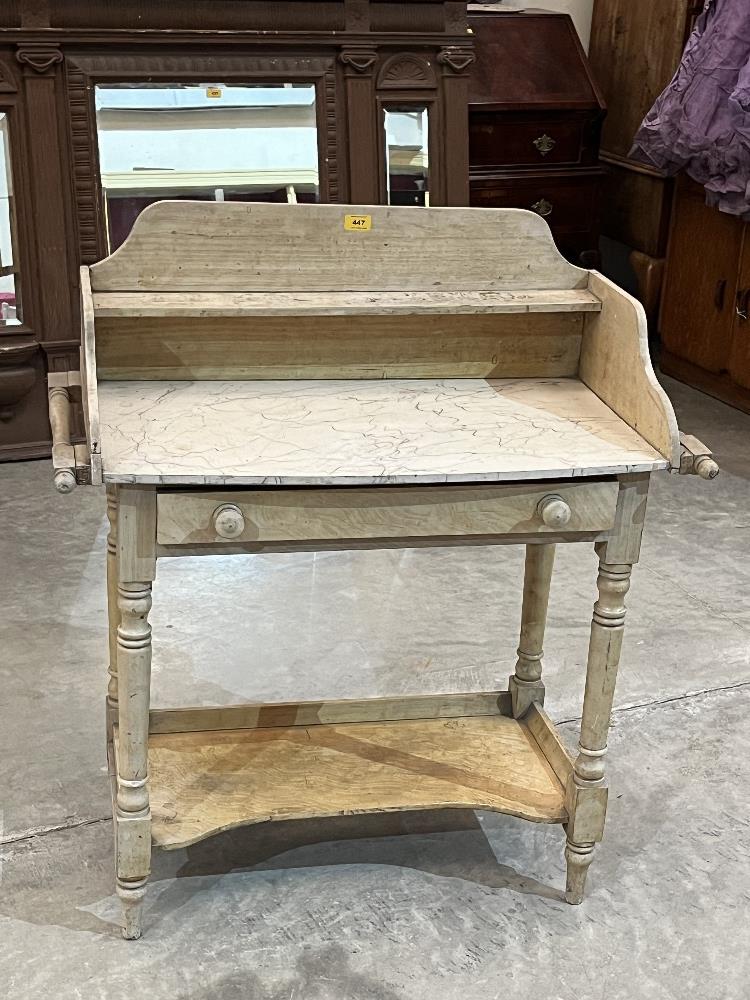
{"x": 542, "y": 207}
{"x": 545, "y": 144}
{"x": 554, "y": 511}
{"x": 228, "y": 521}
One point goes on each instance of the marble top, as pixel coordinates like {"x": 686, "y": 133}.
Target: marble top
{"x": 341, "y": 432}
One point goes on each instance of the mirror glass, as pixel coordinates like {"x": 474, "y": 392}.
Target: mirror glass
{"x": 206, "y": 142}
{"x": 10, "y": 307}
{"x": 406, "y": 155}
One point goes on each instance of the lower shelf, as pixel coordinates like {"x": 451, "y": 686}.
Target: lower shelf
{"x": 204, "y": 782}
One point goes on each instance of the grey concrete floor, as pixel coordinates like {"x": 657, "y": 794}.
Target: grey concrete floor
{"x": 431, "y": 905}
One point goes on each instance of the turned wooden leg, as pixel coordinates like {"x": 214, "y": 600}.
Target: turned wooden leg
{"x": 132, "y": 894}
{"x": 133, "y": 816}
{"x": 526, "y": 685}
{"x": 113, "y": 611}
{"x": 578, "y": 857}
{"x": 586, "y": 792}
{"x": 136, "y": 567}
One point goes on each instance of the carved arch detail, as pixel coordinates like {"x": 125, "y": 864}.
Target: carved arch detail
{"x": 404, "y": 70}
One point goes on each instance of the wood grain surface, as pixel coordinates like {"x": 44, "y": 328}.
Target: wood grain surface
{"x": 320, "y": 713}
{"x": 374, "y": 303}
{"x": 245, "y": 247}
{"x": 616, "y": 365}
{"x": 340, "y": 346}
{"x": 414, "y": 512}
{"x": 205, "y": 782}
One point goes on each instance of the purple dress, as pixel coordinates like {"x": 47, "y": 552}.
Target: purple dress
{"x": 701, "y": 123}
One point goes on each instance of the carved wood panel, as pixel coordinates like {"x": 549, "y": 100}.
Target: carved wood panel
{"x": 405, "y": 70}
{"x": 92, "y": 243}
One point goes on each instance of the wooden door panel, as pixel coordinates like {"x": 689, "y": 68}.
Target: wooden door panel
{"x": 634, "y": 50}
{"x": 701, "y": 282}
{"x": 739, "y": 356}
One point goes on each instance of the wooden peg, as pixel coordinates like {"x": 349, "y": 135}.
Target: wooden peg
{"x": 64, "y": 480}
{"x": 63, "y": 452}
{"x": 696, "y": 459}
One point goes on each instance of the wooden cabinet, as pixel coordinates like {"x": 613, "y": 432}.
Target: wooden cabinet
{"x": 739, "y": 347}
{"x": 705, "y": 328}
{"x": 534, "y": 120}
{"x": 634, "y": 51}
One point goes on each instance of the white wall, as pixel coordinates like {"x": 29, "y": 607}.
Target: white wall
{"x": 579, "y": 10}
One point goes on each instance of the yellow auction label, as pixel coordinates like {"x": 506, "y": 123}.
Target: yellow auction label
{"x": 354, "y": 222}
{"x": 213, "y": 91}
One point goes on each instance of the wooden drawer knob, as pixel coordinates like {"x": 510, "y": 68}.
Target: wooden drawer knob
{"x": 554, "y": 511}
{"x": 65, "y": 481}
{"x": 228, "y": 521}
{"x": 706, "y": 467}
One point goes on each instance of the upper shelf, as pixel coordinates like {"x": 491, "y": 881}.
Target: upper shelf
{"x": 341, "y": 303}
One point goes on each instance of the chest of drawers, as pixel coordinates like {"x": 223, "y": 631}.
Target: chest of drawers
{"x": 535, "y": 116}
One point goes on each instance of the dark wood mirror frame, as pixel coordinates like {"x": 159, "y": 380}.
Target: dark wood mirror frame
{"x": 360, "y": 54}
{"x": 86, "y": 70}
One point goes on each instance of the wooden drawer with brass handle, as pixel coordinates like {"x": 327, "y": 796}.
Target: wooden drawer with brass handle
{"x": 279, "y": 516}
{"x": 563, "y": 199}
{"x": 497, "y": 140}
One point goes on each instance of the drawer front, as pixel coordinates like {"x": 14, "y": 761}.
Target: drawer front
{"x": 283, "y": 516}
{"x": 568, "y": 202}
{"x": 495, "y": 140}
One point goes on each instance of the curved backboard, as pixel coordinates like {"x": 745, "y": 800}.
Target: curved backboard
{"x": 232, "y": 247}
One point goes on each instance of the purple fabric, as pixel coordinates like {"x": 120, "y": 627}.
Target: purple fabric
{"x": 701, "y": 123}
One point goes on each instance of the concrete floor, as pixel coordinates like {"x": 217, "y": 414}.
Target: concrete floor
{"x": 432, "y": 905}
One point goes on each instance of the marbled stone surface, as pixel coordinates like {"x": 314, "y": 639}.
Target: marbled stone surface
{"x": 359, "y": 432}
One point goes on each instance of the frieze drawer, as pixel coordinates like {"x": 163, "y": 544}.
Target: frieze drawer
{"x": 262, "y": 517}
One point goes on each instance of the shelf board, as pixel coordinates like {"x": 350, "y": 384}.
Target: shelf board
{"x": 253, "y": 304}
{"x": 318, "y": 713}
{"x": 202, "y": 783}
